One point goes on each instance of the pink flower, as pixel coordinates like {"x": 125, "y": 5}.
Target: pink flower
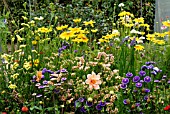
{"x": 93, "y": 80}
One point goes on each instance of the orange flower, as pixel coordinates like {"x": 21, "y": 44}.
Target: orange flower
{"x": 93, "y": 80}
{"x": 39, "y": 76}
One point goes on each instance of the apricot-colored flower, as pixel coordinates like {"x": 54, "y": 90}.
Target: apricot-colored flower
{"x": 38, "y": 76}
{"x": 93, "y": 80}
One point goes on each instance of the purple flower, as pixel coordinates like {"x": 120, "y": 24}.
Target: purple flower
{"x": 89, "y": 103}
{"x": 44, "y": 71}
{"x": 142, "y": 73}
{"x": 137, "y": 104}
{"x": 138, "y": 85}
{"x": 132, "y": 43}
{"x": 64, "y": 47}
{"x": 45, "y": 82}
{"x": 75, "y": 103}
{"x": 56, "y": 91}
{"x": 135, "y": 91}
{"x": 75, "y": 51}
{"x": 129, "y": 74}
{"x": 49, "y": 71}
{"x": 82, "y": 109}
{"x": 156, "y": 69}
{"x": 143, "y": 67}
{"x": 125, "y": 80}
{"x": 141, "y": 81}
{"x": 102, "y": 103}
{"x": 154, "y": 73}
{"x": 39, "y": 95}
{"x": 40, "y": 87}
{"x": 99, "y": 107}
{"x": 150, "y": 62}
{"x": 147, "y": 90}
{"x": 150, "y": 67}
{"x": 126, "y": 101}
{"x": 168, "y": 82}
{"x": 164, "y": 76}
{"x": 147, "y": 79}
{"x": 81, "y": 99}
{"x": 63, "y": 79}
{"x": 63, "y": 71}
{"x": 123, "y": 86}
{"x": 145, "y": 97}
{"x": 136, "y": 79}
{"x": 156, "y": 81}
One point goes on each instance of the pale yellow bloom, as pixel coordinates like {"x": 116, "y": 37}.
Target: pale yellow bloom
{"x": 12, "y": 86}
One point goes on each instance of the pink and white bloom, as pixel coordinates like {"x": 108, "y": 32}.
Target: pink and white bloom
{"x": 93, "y": 80}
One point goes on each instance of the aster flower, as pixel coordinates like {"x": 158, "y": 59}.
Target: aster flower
{"x": 142, "y": 73}
{"x": 99, "y": 107}
{"x": 138, "y": 85}
{"x": 123, "y": 86}
{"x": 93, "y": 81}
{"x": 102, "y": 103}
{"x": 125, "y": 80}
{"x": 89, "y": 103}
{"x": 129, "y": 74}
{"x": 147, "y": 79}
{"x": 81, "y": 99}
{"x": 126, "y": 101}
{"x": 136, "y": 79}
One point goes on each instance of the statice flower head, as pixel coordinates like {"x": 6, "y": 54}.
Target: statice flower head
{"x": 136, "y": 79}
{"x": 142, "y": 73}
{"x": 129, "y": 75}
{"x": 147, "y": 79}
{"x": 125, "y": 80}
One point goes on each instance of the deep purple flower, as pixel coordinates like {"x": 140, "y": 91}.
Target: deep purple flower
{"x": 136, "y": 79}
{"x": 81, "y": 99}
{"x": 44, "y": 71}
{"x": 123, "y": 86}
{"x": 82, "y": 109}
{"x": 45, "y": 82}
{"x": 138, "y": 85}
{"x": 64, "y": 47}
{"x": 49, "y": 71}
{"x": 125, "y": 39}
{"x": 156, "y": 69}
{"x": 135, "y": 91}
{"x": 142, "y": 73}
{"x": 126, "y": 101}
{"x": 39, "y": 95}
{"x": 125, "y": 80}
{"x": 63, "y": 70}
{"x": 150, "y": 67}
{"x": 75, "y": 104}
{"x": 137, "y": 104}
{"x": 99, "y": 107}
{"x": 40, "y": 87}
{"x": 34, "y": 77}
{"x": 63, "y": 79}
{"x": 56, "y": 91}
{"x": 147, "y": 79}
{"x": 150, "y": 62}
{"x": 89, "y": 103}
{"x": 154, "y": 73}
{"x": 132, "y": 43}
{"x": 143, "y": 67}
{"x": 156, "y": 81}
{"x": 42, "y": 77}
{"x": 145, "y": 97}
{"x": 75, "y": 51}
{"x": 129, "y": 74}
{"x": 102, "y": 103}
{"x": 164, "y": 76}
{"x": 147, "y": 90}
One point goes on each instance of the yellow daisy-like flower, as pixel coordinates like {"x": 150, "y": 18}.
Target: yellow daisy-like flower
{"x": 160, "y": 42}
{"x": 150, "y": 37}
{"x": 74, "y": 30}
{"x": 82, "y": 38}
{"x": 44, "y": 30}
{"x": 138, "y": 47}
{"x": 124, "y": 13}
{"x": 89, "y": 23}
{"x": 36, "y": 62}
{"x": 108, "y": 36}
{"x": 34, "y": 42}
{"x": 103, "y": 40}
{"x": 94, "y": 30}
{"x": 12, "y": 86}
{"x": 166, "y": 23}
{"x": 77, "y": 20}
{"x": 67, "y": 35}
{"x": 62, "y": 27}
{"x": 139, "y": 20}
